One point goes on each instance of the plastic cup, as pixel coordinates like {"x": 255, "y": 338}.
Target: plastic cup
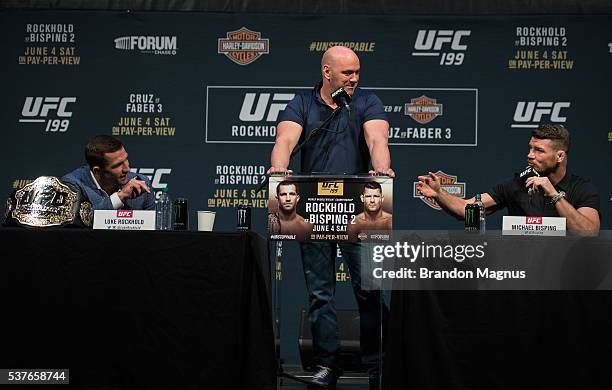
{"x": 206, "y": 220}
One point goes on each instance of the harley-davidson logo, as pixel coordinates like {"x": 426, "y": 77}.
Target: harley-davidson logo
{"x": 449, "y": 183}
{"x": 423, "y": 109}
{"x": 243, "y": 46}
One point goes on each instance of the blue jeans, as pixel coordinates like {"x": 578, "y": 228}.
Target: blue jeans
{"x": 319, "y": 263}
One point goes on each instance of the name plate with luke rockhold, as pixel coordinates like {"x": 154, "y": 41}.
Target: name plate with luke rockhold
{"x": 330, "y": 208}
{"x": 124, "y": 219}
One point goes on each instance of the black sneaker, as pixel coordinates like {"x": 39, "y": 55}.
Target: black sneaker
{"x": 325, "y": 378}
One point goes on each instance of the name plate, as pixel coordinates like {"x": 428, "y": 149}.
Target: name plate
{"x": 124, "y": 219}
{"x": 533, "y": 226}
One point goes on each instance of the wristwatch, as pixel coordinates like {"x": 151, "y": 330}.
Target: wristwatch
{"x": 556, "y": 198}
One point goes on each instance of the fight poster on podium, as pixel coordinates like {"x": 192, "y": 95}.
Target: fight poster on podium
{"x": 330, "y": 208}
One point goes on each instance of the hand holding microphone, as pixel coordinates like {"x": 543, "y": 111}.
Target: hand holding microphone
{"x": 528, "y": 172}
{"x": 535, "y": 182}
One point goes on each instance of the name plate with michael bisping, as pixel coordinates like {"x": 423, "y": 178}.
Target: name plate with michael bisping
{"x": 533, "y": 226}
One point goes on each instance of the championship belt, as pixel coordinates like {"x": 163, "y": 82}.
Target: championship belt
{"x": 47, "y": 202}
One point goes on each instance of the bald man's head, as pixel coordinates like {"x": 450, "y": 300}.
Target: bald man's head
{"x": 333, "y": 53}
{"x": 340, "y": 68}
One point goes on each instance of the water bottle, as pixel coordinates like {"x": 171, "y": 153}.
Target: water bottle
{"x": 483, "y": 213}
{"x": 163, "y": 211}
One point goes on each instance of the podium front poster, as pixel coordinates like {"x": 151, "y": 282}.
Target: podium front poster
{"x": 341, "y": 208}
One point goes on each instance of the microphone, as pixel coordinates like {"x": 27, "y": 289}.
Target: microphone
{"x": 341, "y": 98}
{"x": 529, "y": 171}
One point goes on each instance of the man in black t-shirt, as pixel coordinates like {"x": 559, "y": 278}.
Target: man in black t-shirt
{"x": 555, "y": 193}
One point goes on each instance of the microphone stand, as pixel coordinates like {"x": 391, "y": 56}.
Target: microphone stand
{"x": 278, "y": 251}
{"x": 312, "y": 135}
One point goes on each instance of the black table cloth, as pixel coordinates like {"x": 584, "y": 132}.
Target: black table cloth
{"x": 174, "y": 310}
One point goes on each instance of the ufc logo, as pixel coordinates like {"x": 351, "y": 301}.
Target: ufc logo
{"x": 533, "y": 220}
{"x": 330, "y": 185}
{"x": 125, "y": 213}
{"x": 279, "y": 102}
{"x": 43, "y": 106}
{"x": 155, "y": 175}
{"x": 330, "y": 188}
{"x": 428, "y": 40}
{"x": 532, "y": 112}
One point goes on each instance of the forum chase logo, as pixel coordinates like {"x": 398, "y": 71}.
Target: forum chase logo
{"x": 149, "y": 44}
{"x": 449, "y": 183}
{"x": 243, "y": 46}
{"x": 423, "y": 109}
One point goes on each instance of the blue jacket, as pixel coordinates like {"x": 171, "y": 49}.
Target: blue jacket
{"x": 80, "y": 179}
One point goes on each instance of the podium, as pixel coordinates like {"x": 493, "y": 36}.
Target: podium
{"x": 324, "y": 213}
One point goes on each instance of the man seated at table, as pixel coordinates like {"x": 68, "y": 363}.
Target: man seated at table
{"x": 555, "y": 193}
{"x": 107, "y": 181}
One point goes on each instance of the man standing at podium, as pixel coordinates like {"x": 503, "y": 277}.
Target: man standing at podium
{"x": 554, "y": 193}
{"x": 346, "y": 145}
